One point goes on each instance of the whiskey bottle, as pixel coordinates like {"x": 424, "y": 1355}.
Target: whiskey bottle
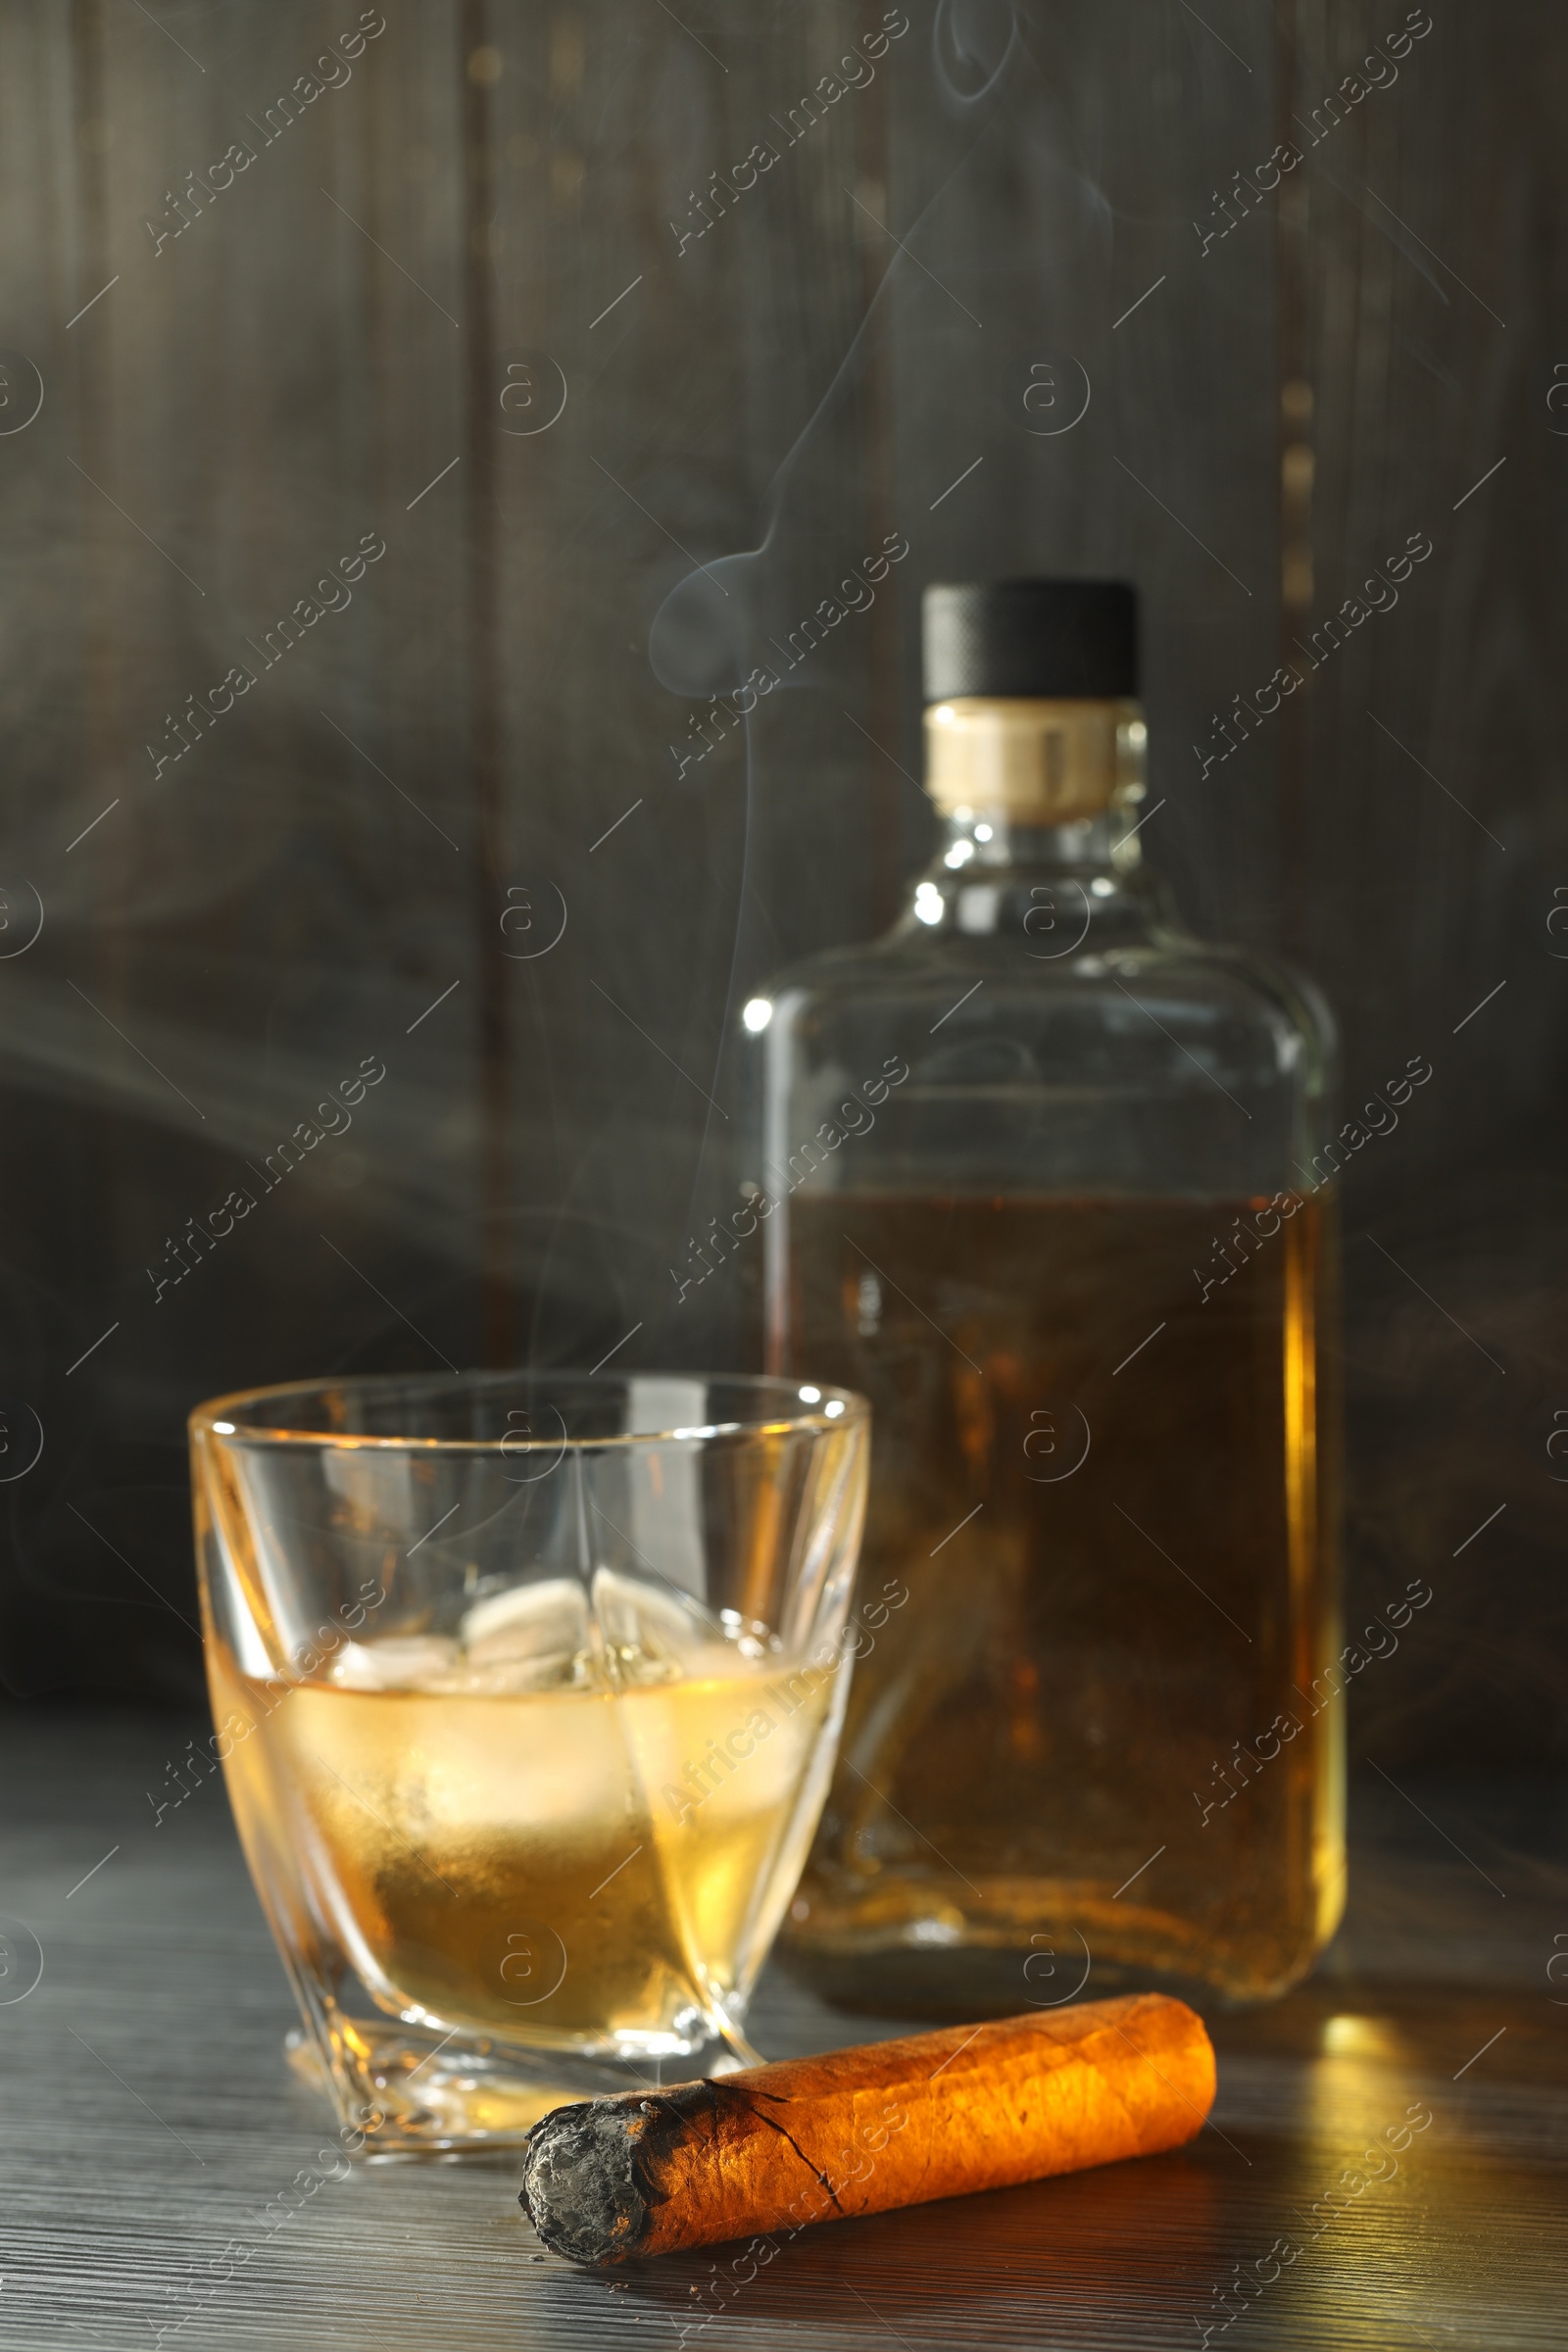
{"x": 1040, "y": 1173}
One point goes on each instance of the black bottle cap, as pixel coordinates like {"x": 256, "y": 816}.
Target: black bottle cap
{"x": 1052, "y": 640}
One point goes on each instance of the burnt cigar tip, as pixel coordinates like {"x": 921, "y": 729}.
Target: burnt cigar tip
{"x": 579, "y": 2182}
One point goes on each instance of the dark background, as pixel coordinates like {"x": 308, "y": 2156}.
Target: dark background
{"x": 322, "y": 353}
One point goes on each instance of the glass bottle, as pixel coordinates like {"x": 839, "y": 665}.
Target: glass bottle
{"x": 1042, "y": 1176}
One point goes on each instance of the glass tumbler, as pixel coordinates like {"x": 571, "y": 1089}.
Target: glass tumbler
{"x": 528, "y": 1690}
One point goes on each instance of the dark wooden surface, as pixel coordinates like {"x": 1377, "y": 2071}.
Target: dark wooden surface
{"x": 149, "y": 2114}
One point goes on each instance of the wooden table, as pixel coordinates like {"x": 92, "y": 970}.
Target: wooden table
{"x": 148, "y": 2115}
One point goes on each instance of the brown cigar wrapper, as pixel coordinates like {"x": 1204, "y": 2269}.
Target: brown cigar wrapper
{"x": 866, "y": 2129}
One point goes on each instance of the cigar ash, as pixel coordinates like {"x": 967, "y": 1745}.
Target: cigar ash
{"x": 583, "y": 2187}
{"x": 592, "y": 2173}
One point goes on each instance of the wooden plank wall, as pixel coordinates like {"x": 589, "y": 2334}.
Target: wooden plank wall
{"x": 1424, "y": 278}
{"x": 1003, "y": 208}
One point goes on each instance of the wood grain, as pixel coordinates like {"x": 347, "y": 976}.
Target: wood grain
{"x": 118, "y": 2218}
{"x": 1009, "y": 202}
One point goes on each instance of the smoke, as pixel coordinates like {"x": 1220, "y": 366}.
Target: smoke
{"x": 703, "y": 634}
{"x": 973, "y": 43}
{"x": 181, "y": 1076}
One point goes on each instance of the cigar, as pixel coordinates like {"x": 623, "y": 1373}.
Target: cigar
{"x": 862, "y": 2130}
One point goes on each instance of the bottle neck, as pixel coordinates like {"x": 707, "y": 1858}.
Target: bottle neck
{"x": 1034, "y": 782}
{"x": 1041, "y": 802}
{"x": 976, "y": 839}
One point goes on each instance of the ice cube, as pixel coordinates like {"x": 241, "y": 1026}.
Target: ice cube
{"x": 552, "y": 1634}
{"x": 531, "y": 1637}
{"x": 656, "y": 1632}
{"x": 400, "y": 1662}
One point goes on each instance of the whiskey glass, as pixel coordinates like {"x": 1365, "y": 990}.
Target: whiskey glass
{"x": 526, "y": 1691}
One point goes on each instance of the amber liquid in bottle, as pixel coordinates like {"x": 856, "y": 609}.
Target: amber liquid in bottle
{"x": 1102, "y": 1487}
